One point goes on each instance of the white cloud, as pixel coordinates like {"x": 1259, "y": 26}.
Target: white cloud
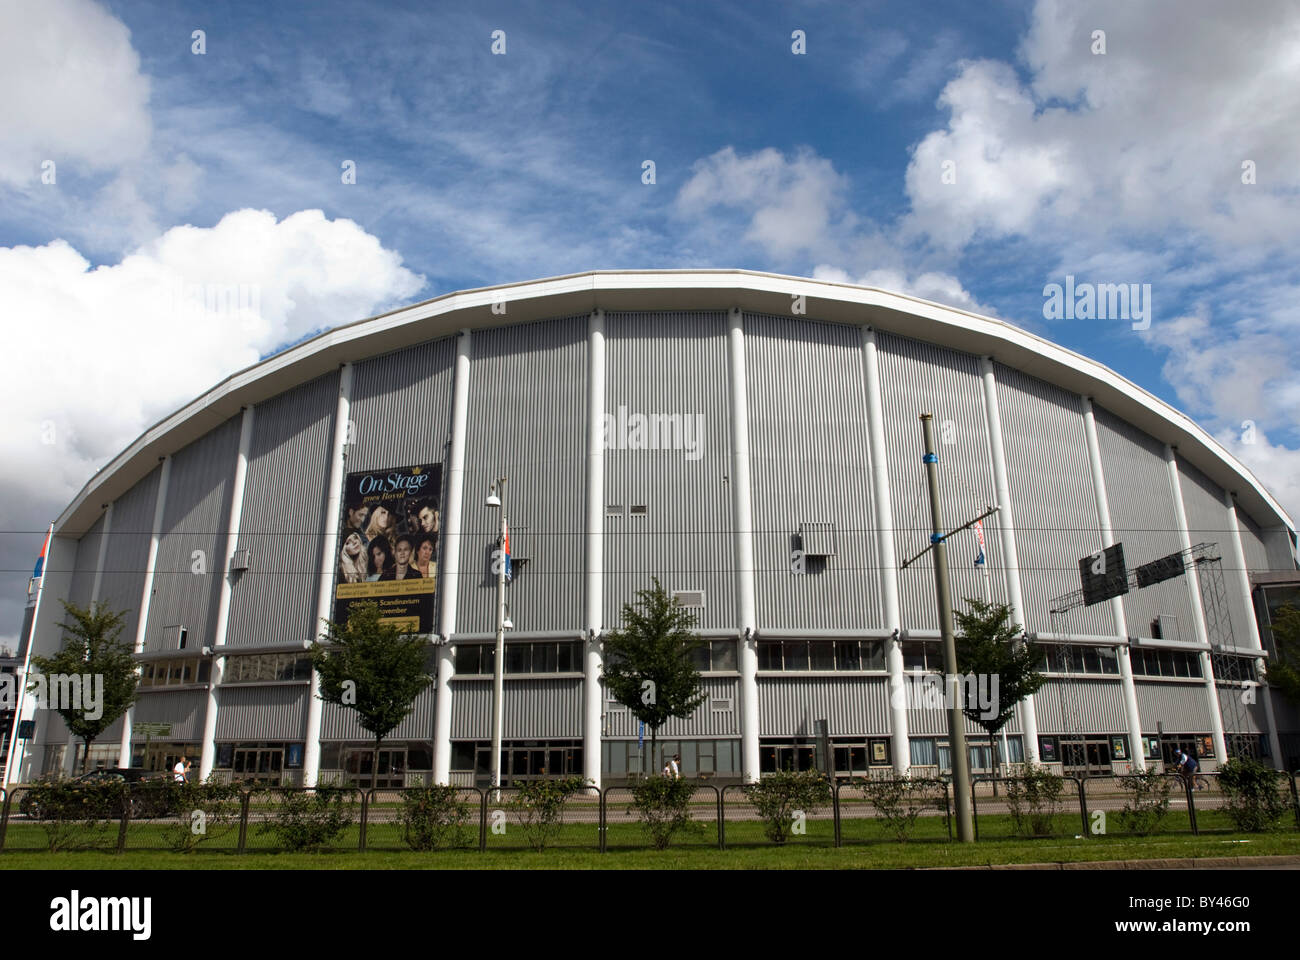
{"x": 118, "y": 347}
{"x": 789, "y": 207}
{"x": 932, "y": 285}
{"x": 72, "y": 90}
{"x": 1147, "y": 137}
{"x": 1277, "y": 466}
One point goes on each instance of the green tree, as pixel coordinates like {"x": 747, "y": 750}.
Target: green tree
{"x": 989, "y": 645}
{"x": 92, "y": 648}
{"x": 648, "y": 663}
{"x": 372, "y": 668}
{"x": 1283, "y": 673}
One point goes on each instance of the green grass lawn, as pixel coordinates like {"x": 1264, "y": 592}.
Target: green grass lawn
{"x": 574, "y": 847}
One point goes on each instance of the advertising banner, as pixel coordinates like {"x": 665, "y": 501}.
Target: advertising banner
{"x": 389, "y": 543}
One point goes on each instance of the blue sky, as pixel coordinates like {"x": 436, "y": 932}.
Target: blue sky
{"x": 475, "y": 168}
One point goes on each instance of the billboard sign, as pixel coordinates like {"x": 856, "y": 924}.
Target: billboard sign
{"x": 389, "y": 544}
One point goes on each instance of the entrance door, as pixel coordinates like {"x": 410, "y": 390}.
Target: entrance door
{"x": 358, "y": 764}
{"x": 1087, "y": 758}
{"x": 264, "y": 764}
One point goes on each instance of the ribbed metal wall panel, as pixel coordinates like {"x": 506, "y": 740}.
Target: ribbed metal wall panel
{"x": 128, "y": 551}
{"x": 527, "y": 417}
{"x": 1143, "y": 518}
{"x": 534, "y": 709}
{"x": 809, "y": 461}
{"x": 788, "y": 706}
{"x": 1238, "y": 717}
{"x": 340, "y": 723}
{"x": 933, "y": 721}
{"x": 1207, "y": 520}
{"x": 1278, "y": 544}
{"x": 1181, "y": 707}
{"x": 669, "y": 364}
{"x": 1054, "y": 504}
{"x": 83, "y": 577}
{"x": 183, "y": 709}
{"x": 1265, "y": 549}
{"x": 196, "y": 517}
{"x": 620, "y": 724}
{"x": 918, "y": 378}
{"x": 401, "y": 407}
{"x": 1099, "y": 706}
{"x": 272, "y": 712}
{"x": 274, "y": 601}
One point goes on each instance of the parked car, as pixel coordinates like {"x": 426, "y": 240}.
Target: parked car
{"x": 146, "y": 791}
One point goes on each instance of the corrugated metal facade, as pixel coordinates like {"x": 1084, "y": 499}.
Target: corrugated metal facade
{"x": 933, "y": 721}
{"x": 809, "y": 462}
{"x": 271, "y": 712}
{"x": 1181, "y": 707}
{"x": 183, "y": 709}
{"x": 1265, "y": 549}
{"x": 83, "y": 578}
{"x": 527, "y": 417}
{"x": 340, "y": 723}
{"x": 788, "y": 706}
{"x": 1241, "y": 717}
{"x": 274, "y": 600}
{"x": 401, "y": 407}
{"x": 1052, "y": 496}
{"x": 1144, "y": 519}
{"x": 670, "y": 365}
{"x": 128, "y": 552}
{"x": 1098, "y": 706}
{"x": 534, "y": 709}
{"x": 717, "y": 716}
{"x": 195, "y": 518}
{"x": 1207, "y": 521}
{"x": 918, "y": 378}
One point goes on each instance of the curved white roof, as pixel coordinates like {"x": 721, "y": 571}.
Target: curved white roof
{"x": 671, "y": 290}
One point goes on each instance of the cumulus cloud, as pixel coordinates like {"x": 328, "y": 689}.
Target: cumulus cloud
{"x": 73, "y": 91}
{"x": 1277, "y": 466}
{"x": 1149, "y": 136}
{"x": 113, "y": 349}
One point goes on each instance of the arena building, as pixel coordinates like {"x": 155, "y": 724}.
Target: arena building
{"x": 753, "y": 441}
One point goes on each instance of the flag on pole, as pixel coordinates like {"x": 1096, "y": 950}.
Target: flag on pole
{"x": 40, "y": 561}
{"x": 979, "y": 535}
{"x": 505, "y": 550}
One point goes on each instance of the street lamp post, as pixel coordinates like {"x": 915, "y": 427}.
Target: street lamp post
{"x": 496, "y": 499}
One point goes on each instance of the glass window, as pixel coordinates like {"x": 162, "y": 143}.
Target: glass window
{"x": 567, "y": 657}
{"x": 873, "y": 655}
{"x": 462, "y": 755}
{"x": 1015, "y": 750}
{"x": 146, "y": 674}
{"x": 700, "y": 656}
{"x": 205, "y": 671}
{"x": 1167, "y": 663}
{"x": 913, "y": 655}
{"x": 848, "y": 656}
{"x": 1181, "y": 664}
{"x": 706, "y": 756}
{"x": 796, "y": 654}
{"x": 1091, "y": 660}
{"x": 545, "y": 658}
{"x": 1109, "y": 660}
{"x": 518, "y": 657}
{"x": 923, "y": 752}
{"x": 821, "y": 655}
{"x": 769, "y": 656}
{"x": 945, "y": 756}
{"x": 724, "y": 654}
{"x": 1194, "y": 665}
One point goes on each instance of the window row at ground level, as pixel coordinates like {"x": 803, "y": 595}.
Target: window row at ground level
{"x": 401, "y": 763}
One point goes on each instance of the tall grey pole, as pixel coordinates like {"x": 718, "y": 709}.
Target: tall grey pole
{"x": 499, "y": 659}
{"x": 952, "y": 683}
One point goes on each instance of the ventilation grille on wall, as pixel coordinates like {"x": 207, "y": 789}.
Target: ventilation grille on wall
{"x": 689, "y": 598}
{"x": 1168, "y": 627}
{"x": 240, "y": 560}
{"x": 175, "y": 637}
{"x": 818, "y": 538}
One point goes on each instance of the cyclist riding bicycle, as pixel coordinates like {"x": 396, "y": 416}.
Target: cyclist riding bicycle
{"x": 1187, "y": 767}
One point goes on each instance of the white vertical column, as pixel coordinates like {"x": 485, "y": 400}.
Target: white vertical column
{"x": 207, "y": 757}
{"x": 449, "y": 564}
{"x": 884, "y": 511}
{"x": 325, "y": 590}
{"x": 743, "y": 524}
{"x": 69, "y": 758}
{"x": 1007, "y": 539}
{"x": 1116, "y": 603}
{"x": 595, "y": 553}
{"x": 1198, "y": 614}
{"x": 1252, "y": 628}
{"x": 146, "y": 596}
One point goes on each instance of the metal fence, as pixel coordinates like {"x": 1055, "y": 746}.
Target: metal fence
{"x": 233, "y": 819}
